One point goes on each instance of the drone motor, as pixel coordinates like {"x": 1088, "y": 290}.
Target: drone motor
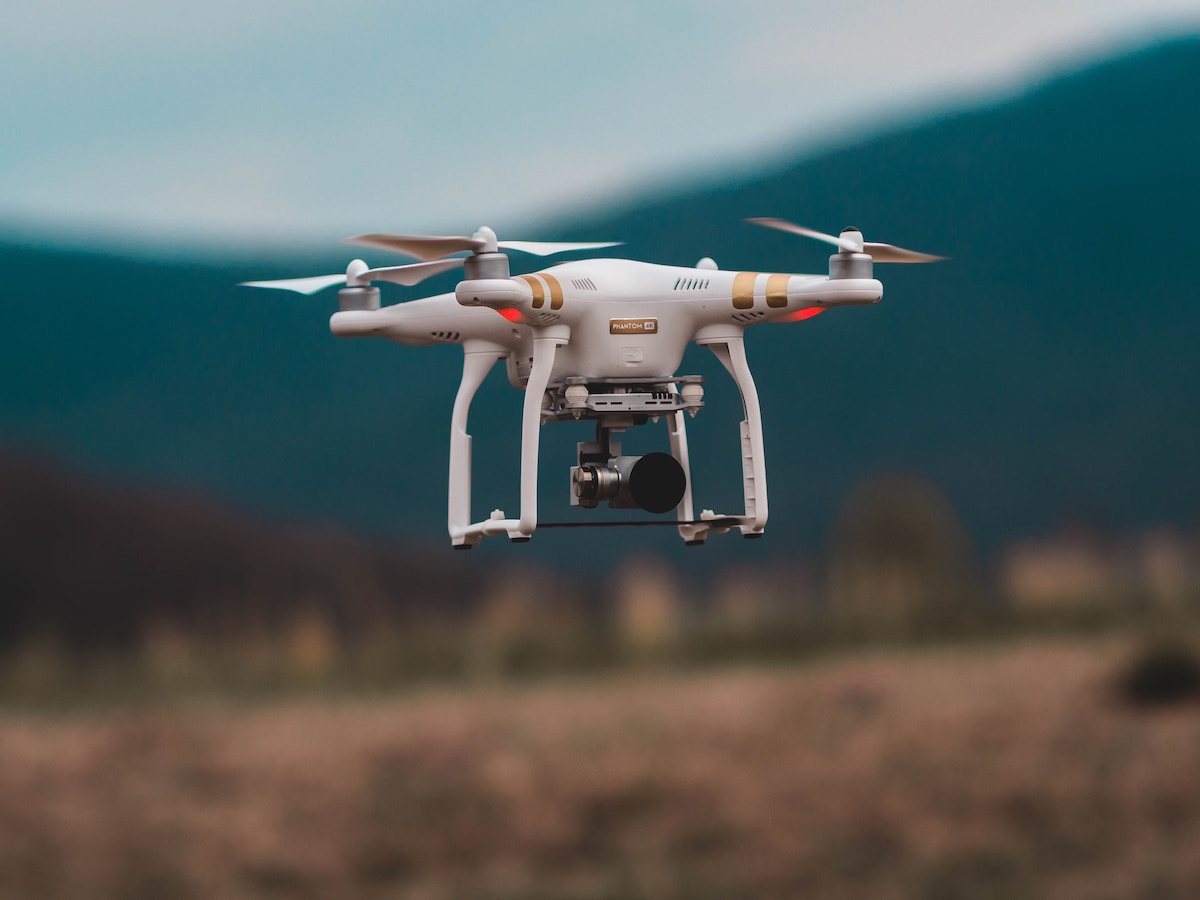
{"x": 848, "y": 263}
{"x": 358, "y": 298}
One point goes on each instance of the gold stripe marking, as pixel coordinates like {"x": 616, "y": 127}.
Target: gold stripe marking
{"x": 539, "y": 295}
{"x": 777, "y": 286}
{"x": 743, "y": 290}
{"x": 556, "y": 294}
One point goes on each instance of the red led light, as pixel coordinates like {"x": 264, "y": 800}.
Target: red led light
{"x": 513, "y": 315}
{"x": 802, "y": 314}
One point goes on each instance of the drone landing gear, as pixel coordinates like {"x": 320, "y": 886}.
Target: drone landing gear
{"x": 478, "y": 358}
{"x": 731, "y": 351}
{"x": 477, "y": 362}
{"x": 615, "y": 406}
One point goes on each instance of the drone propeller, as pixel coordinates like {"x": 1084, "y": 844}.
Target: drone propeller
{"x": 299, "y": 285}
{"x": 357, "y": 274}
{"x": 435, "y": 255}
{"x": 483, "y": 241}
{"x": 412, "y": 273}
{"x": 851, "y": 241}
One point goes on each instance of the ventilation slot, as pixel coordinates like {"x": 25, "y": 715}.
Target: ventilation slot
{"x": 690, "y": 284}
{"x": 748, "y": 316}
{"x": 584, "y": 284}
{"x": 449, "y": 336}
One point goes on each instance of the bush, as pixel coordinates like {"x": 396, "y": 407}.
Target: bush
{"x": 1162, "y": 672}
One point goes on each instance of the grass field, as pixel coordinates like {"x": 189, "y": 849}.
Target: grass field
{"x": 1009, "y": 770}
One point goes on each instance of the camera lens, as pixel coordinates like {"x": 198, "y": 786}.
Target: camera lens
{"x": 657, "y": 482}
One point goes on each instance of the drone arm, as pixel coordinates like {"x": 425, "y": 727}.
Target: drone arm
{"x": 478, "y": 359}
{"x": 731, "y": 351}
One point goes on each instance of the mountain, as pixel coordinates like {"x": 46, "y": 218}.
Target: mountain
{"x": 1049, "y": 368}
{"x": 1048, "y": 371}
{"x": 98, "y": 566}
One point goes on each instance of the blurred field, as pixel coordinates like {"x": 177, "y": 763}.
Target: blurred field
{"x": 1006, "y": 770}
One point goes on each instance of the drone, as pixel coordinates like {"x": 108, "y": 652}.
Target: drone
{"x": 599, "y": 340}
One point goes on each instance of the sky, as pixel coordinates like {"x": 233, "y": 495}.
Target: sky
{"x": 246, "y": 122}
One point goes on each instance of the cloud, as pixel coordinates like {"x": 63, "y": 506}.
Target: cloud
{"x": 309, "y": 117}
{"x": 109, "y": 28}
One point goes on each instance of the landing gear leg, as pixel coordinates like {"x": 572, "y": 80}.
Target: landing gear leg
{"x": 731, "y": 352}
{"x": 477, "y": 362}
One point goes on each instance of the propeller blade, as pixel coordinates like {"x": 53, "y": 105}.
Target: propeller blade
{"x": 421, "y": 246}
{"x": 300, "y": 285}
{"x": 413, "y": 273}
{"x": 430, "y": 248}
{"x": 548, "y": 248}
{"x": 888, "y": 253}
{"x": 850, "y": 246}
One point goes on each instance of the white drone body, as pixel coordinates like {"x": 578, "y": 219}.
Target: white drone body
{"x": 598, "y": 339}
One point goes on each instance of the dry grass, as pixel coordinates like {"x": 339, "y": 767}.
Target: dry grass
{"x": 1003, "y": 772}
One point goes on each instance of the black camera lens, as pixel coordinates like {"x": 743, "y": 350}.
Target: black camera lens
{"x": 657, "y": 482}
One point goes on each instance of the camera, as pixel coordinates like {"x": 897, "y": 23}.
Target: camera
{"x": 654, "y": 482}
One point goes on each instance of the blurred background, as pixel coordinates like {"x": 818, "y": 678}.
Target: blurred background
{"x": 237, "y": 654}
